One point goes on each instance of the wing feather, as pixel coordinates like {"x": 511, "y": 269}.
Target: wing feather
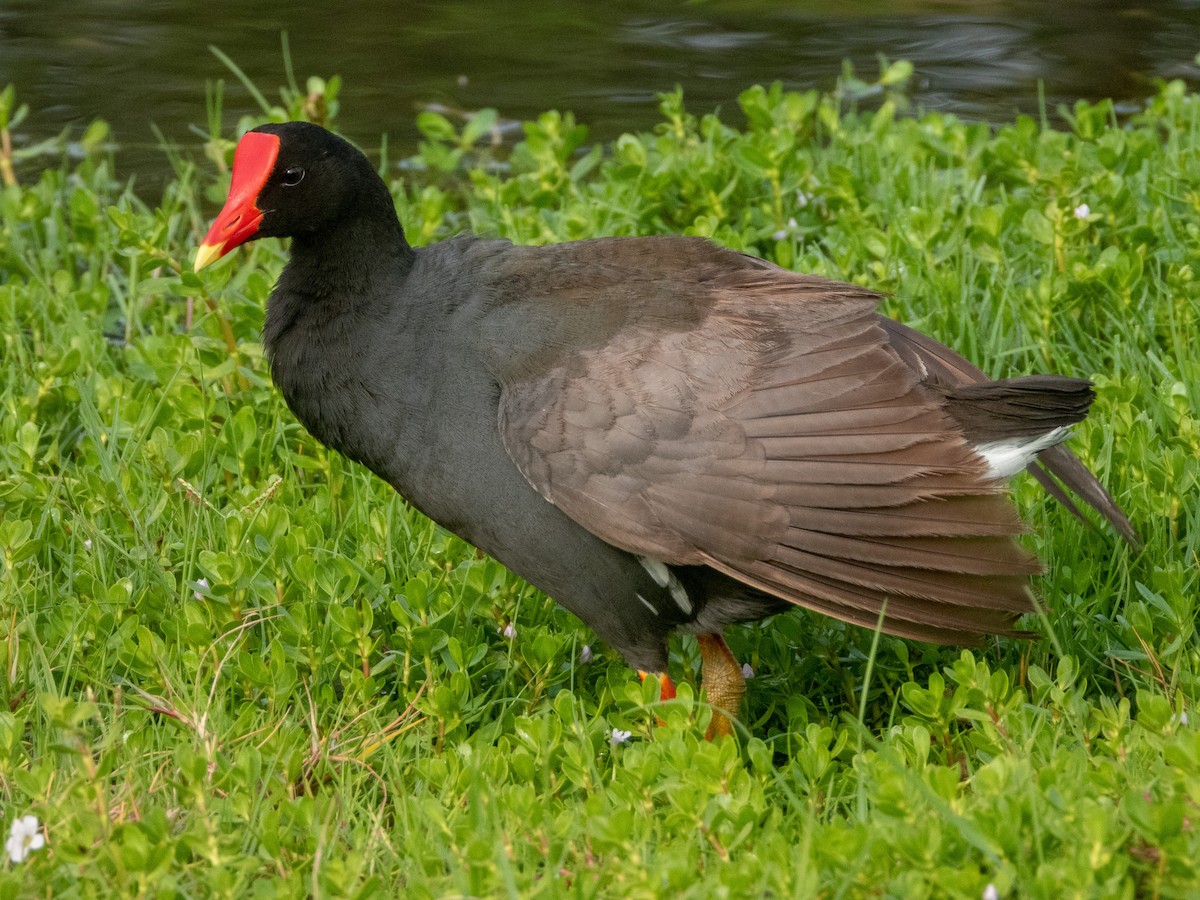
{"x": 778, "y": 438}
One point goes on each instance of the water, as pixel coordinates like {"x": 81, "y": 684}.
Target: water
{"x": 136, "y": 63}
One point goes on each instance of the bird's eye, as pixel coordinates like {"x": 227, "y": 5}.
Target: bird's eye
{"x": 293, "y": 176}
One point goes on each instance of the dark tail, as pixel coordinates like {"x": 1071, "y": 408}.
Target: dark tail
{"x": 1056, "y": 467}
{"x": 1016, "y": 407}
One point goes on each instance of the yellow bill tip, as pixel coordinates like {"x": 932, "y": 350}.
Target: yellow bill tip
{"x": 206, "y": 254}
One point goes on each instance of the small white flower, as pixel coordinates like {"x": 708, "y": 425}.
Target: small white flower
{"x": 1183, "y": 719}
{"x": 803, "y": 199}
{"x": 87, "y": 544}
{"x": 200, "y": 583}
{"x": 990, "y": 893}
{"x": 585, "y": 655}
{"x": 26, "y": 837}
{"x": 792, "y": 225}
{"x": 1082, "y": 211}
{"x": 617, "y": 736}
{"x": 509, "y": 631}
{"x": 747, "y": 670}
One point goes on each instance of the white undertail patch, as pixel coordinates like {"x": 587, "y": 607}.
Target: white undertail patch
{"x": 665, "y": 578}
{"x": 1008, "y": 457}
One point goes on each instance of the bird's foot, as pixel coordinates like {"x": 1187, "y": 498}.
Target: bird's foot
{"x": 723, "y": 681}
{"x": 666, "y": 687}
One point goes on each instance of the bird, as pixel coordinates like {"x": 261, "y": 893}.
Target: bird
{"x": 661, "y": 434}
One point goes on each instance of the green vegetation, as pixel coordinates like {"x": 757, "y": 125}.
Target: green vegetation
{"x": 233, "y": 664}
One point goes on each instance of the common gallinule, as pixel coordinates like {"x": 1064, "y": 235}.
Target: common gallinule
{"x": 661, "y": 434}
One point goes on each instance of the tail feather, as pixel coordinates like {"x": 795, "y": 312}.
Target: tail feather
{"x": 1016, "y": 407}
{"x": 1056, "y": 466}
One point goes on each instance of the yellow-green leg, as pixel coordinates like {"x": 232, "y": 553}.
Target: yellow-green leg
{"x": 723, "y": 682}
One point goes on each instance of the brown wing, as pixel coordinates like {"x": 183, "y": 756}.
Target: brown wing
{"x": 778, "y": 438}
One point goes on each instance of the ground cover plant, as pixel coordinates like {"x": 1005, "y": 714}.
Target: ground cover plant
{"x": 234, "y": 664}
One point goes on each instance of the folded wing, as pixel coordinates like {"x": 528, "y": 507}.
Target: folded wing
{"x": 782, "y": 440}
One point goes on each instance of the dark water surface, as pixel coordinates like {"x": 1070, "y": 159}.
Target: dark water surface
{"x": 138, "y": 62}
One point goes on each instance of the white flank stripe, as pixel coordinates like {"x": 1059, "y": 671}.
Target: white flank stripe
{"x": 657, "y": 570}
{"x": 664, "y": 577}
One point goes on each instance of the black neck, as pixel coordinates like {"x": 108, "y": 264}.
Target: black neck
{"x": 343, "y": 267}
{"x": 345, "y": 257}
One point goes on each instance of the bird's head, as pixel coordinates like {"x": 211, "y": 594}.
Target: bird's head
{"x": 288, "y": 180}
